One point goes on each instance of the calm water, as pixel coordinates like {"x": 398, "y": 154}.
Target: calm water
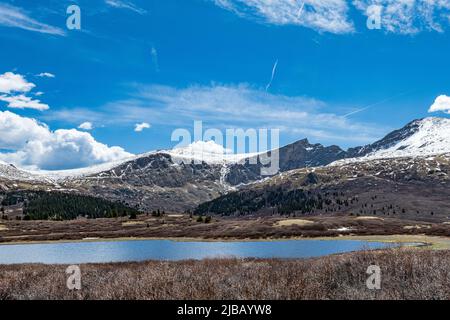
{"x": 117, "y": 251}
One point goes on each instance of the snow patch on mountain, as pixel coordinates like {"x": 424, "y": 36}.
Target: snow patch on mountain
{"x": 428, "y": 137}
{"x": 209, "y": 152}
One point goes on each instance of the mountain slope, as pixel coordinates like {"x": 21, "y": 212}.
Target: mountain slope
{"x": 155, "y": 181}
{"x": 182, "y": 179}
{"x": 416, "y": 188}
{"x": 405, "y": 174}
{"x": 299, "y": 154}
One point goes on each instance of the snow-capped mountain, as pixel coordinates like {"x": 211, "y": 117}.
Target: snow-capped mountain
{"x": 419, "y": 138}
{"x": 9, "y": 171}
{"x": 198, "y": 152}
{"x": 430, "y": 136}
{"x": 182, "y": 178}
{"x": 175, "y": 179}
{"x": 404, "y": 175}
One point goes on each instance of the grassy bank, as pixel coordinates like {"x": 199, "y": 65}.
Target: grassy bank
{"x": 186, "y": 227}
{"x": 406, "y": 274}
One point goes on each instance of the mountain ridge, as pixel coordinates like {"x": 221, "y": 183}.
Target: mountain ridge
{"x": 181, "y": 179}
{"x": 200, "y": 151}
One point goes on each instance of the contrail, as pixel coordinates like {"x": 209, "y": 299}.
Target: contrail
{"x": 374, "y": 104}
{"x": 301, "y": 10}
{"x": 274, "y": 70}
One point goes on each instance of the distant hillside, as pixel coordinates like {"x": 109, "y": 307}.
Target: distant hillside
{"x": 41, "y": 205}
{"x": 411, "y": 188}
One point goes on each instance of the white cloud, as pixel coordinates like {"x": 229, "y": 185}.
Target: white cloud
{"x": 86, "y": 126}
{"x": 15, "y": 17}
{"x": 24, "y": 102}
{"x": 229, "y": 106}
{"x": 121, "y": 4}
{"x": 15, "y": 131}
{"x": 139, "y": 127}
{"x": 409, "y": 16}
{"x": 13, "y": 86}
{"x": 442, "y": 103}
{"x": 397, "y": 16}
{"x": 35, "y": 146}
{"x": 320, "y": 15}
{"x": 46, "y": 75}
{"x": 11, "y": 82}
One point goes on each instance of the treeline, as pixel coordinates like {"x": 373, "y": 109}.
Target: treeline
{"x": 41, "y": 205}
{"x": 277, "y": 200}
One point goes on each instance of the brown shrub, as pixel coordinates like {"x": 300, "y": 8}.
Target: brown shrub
{"x": 406, "y": 274}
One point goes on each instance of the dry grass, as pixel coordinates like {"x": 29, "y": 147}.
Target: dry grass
{"x": 406, "y": 274}
{"x": 275, "y": 227}
{"x": 132, "y": 223}
{"x": 417, "y": 227}
{"x": 369, "y": 218}
{"x": 293, "y": 222}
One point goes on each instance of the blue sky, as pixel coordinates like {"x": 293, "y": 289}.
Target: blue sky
{"x": 168, "y": 63}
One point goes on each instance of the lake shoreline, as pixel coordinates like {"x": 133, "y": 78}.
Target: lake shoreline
{"x": 184, "y": 228}
{"x": 424, "y": 240}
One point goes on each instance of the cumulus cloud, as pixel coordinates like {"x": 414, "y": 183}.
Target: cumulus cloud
{"x": 14, "y": 86}
{"x": 46, "y": 75}
{"x": 15, "y": 17}
{"x": 33, "y": 145}
{"x": 15, "y": 131}
{"x": 11, "y": 82}
{"x": 86, "y": 126}
{"x": 409, "y": 16}
{"x": 442, "y": 103}
{"x": 320, "y": 15}
{"x": 121, "y": 4}
{"x": 24, "y": 102}
{"x": 139, "y": 127}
